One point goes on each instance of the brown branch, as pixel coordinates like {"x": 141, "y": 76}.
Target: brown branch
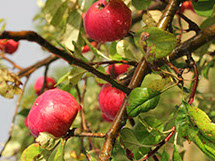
{"x": 193, "y": 43}
{"x": 192, "y": 25}
{"x": 192, "y": 63}
{"x": 133, "y": 63}
{"x": 45, "y": 77}
{"x": 10, "y": 61}
{"x": 33, "y": 36}
{"x": 27, "y": 71}
{"x": 159, "y": 145}
{"x": 77, "y": 133}
{"x": 139, "y": 74}
{"x": 168, "y": 14}
{"x": 136, "y": 81}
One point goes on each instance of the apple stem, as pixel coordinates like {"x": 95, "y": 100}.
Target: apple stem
{"x": 101, "y": 6}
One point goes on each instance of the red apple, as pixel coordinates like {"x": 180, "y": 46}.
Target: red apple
{"x": 186, "y": 5}
{"x": 107, "y": 21}
{"x": 110, "y": 100}
{"x": 117, "y": 69}
{"x": 87, "y": 48}
{"x": 50, "y": 84}
{"x": 9, "y": 46}
{"x": 53, "y": 111}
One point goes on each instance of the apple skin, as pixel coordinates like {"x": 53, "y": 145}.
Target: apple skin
{"x": 9, "y": 46}
{"x": 50, "y": 84}
{"x": 54, "y": 112}
{"x": 117, "y": 69}
{"x": 186, "y": 5}
{"x": 110, "y": 23}
{"x": 87, "y": 48}
{"x": 110, "y": 100}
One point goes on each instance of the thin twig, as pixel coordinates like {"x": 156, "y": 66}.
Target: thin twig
{"x": 192, "y": 25}
{"x": 77, "y": 133}
{"x": 44, "y": 81}
{"x": 10, "y": 61}
{"x": 32, "y": 68}
{"x": 133, "y": 63}
{"x": 159, "y": 145}
{"x": 192, "y": 63}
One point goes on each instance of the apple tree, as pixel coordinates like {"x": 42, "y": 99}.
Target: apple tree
{"x": 136, "y": 82}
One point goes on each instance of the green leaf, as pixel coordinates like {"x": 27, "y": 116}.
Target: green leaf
{"x": 75, "y": 75}
{"x": 142, "y": 100}
{"x": 119, "y": 153}
{"x": 204, "y": 7}
{"x": 159, "y": 84}
{"x": 58, "y": 153}
{"x": 72, "y": 28}
{"x": 46, "y": 140}
{"x": 203, "y": 122}
{"x": 155, "y": 43}
{"x": 113, "y": 54}
{"x": 93, "y": 49}
{"x": 60, "y": 16}
{"x": 148, "y": 132}
{"x": 128, "y": 139}
{"x": 35, "y": 152}
{"x": 141, "y": 4}
{"x": 164, "y": 156}
{"x": 9, "y": 84}
{"x": 51, "y": 8}
{"x": 209, "y": 65}
{"x": 176, "y": 156}
{"x": 122, "y": 48}
{"x": 183, "y": 125}
{"x": 62, "y": 79}
{"x": 205, "y": 145}
{"x": 24, "y": 112}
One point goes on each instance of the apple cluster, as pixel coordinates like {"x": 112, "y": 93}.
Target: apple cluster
{"x": 55, "y": 110}
{"x": 8, "y": 46}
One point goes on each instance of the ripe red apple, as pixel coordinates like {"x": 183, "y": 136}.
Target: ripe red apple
{"x": 117, "y": 69}
{"x": 53, "y": 111}
{"x": 87, "y": 48}
{"x": 107, "y": 21}
{"x": 110, "y": 100}
{"x": 186, "y": 5}
{"x": 8, "y": 46}
{"x": 50, "y": 83}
